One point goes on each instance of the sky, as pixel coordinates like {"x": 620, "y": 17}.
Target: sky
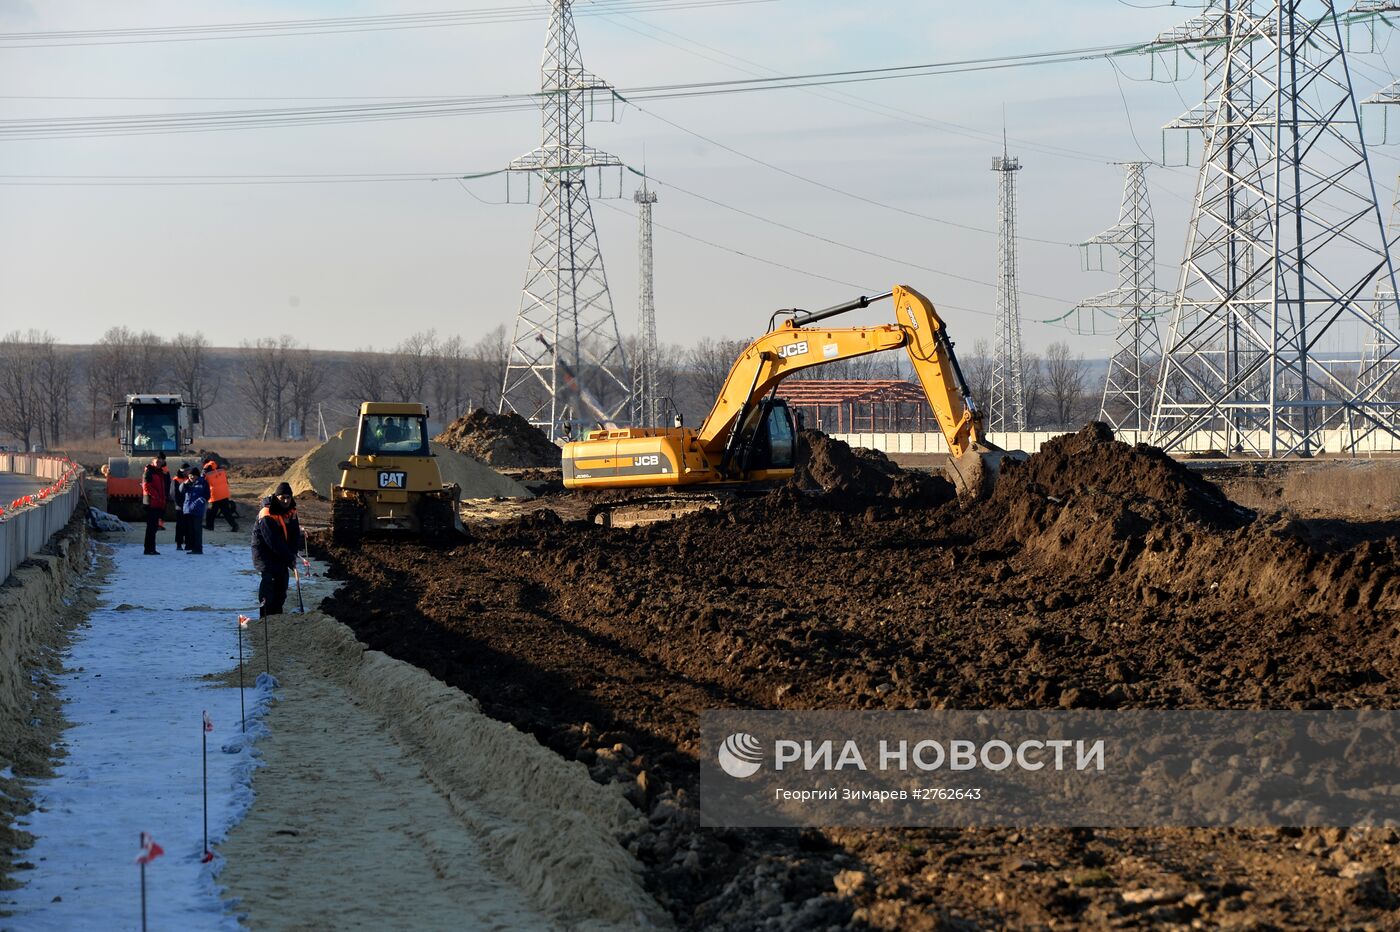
{"x": 350, "y": 265}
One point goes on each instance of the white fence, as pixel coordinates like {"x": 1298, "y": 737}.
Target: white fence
{"x": 1333, "y": 441}
{"x": 25, "y": 529}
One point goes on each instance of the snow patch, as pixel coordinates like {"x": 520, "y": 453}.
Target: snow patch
{"x": 134, "y": 694}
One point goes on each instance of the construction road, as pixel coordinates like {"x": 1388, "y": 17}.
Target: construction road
{"x": 13, "y": 485}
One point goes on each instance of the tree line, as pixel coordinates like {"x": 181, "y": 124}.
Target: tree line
{"x": 52, "y": 394}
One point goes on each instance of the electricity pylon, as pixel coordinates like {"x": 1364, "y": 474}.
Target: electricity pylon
{"x": 1006, "y": 408}
{"x": 1133, "y": 307}
{"x": 1285, "y": 237}
{"x": 566, "y": 346}
{"x": 646, "y": 405}
{"x": 1381, "y": 359}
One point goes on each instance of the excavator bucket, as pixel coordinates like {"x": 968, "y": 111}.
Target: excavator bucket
{"x": 975, "y": 473}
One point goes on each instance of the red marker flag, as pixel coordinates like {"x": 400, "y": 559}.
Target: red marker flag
{"x": 149, "y": 849}
{"x": 208, "y": 722}
{"x": 243, "y": 621}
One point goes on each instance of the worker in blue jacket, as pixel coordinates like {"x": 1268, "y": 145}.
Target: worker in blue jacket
{"x": 196, "y": 501}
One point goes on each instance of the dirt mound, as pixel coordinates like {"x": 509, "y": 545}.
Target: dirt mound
{"x": 319, "y": 469}
{"x": 554, "y": 626}
{"x": 860, "y": 476}
{"x": 1092, "y": 463}
{"x": 500, "y": 439}
{"x": 261, "y": 467}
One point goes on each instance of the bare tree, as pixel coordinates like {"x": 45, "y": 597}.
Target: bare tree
{"x": 55, "y": 369}
{"x": 124, "y": 362}
{"x": 307, "y": 378}
{"x": 21, "y": 415}
{"x": 191, "y": 373}
{"x": 710, "y": 362}
{"x": 365, "y": 376}
{"x": 977, "y": 369}
{"x": 451, "y": 379}
{"x": 1065, "y": 375}
{"x": 487, "y": 358}
{"x": 411, "y": 366}
{"x": 266, "y": 382}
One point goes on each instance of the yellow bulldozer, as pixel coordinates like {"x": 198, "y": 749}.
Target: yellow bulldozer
{"x": 749, "y": 436}
{"x": 391, "y": 482}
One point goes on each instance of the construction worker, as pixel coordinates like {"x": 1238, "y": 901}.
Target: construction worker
{"x": 155, "y": 492}
{"x": 220, "y": 500}
{"x": 177, "y": 491}
{"x": 276, "y": 540}
{"x": 196, "y": 500}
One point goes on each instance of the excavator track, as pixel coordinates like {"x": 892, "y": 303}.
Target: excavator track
{"x": 647, "y": 509}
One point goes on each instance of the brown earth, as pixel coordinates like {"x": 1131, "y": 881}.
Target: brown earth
{"x": 1098, "y": 576}
{"x": 260, "y": 467}
{"x": 500, "y": 439}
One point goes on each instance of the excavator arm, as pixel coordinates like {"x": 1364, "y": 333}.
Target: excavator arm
{"x": 736, "y": 444}
{"x": 797, "y": 345}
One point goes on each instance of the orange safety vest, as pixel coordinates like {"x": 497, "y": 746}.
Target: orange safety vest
{"x": 281, "y": 521}
{"x": 218, "y": 484}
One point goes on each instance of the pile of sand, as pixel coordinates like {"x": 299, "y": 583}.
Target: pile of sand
{"x": 317, "y": 471}
{"x": 500, "y": 439}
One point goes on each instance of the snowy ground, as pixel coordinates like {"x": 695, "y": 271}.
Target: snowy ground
{"x": 134, "y": 691}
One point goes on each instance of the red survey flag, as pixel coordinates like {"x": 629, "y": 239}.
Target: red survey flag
{"x": 208, "y": 722}
{"x": 243, "y": 621}
{"x": 149, "y": 849}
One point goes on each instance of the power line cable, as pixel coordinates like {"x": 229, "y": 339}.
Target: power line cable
{"x": 329, "y": 26}
{"x": 846, "y": 98}
{"x": 836, "y": 190}
{"x": 827, "y": 240}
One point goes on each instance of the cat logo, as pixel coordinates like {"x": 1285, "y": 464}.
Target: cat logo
{"x": 793, "y": 349}
{"x": 393, "y": 480}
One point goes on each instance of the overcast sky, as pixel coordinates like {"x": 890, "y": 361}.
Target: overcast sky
{"x": 341, "y": 266}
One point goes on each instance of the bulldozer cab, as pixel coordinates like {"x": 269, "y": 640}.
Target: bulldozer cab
{"x": 393, "y": 435}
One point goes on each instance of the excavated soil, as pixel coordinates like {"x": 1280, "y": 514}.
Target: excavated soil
{"x": 500, "y": 439}
{"x": 861, "y": 476}
{"x": 260, "y": 467}
{"x": 1098, "y": 576}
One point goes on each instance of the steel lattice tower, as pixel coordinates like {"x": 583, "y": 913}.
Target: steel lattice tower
{"x": 1134, "y": 306}
{"x": 566, "y": 332}
{"x": 1382, "y": 356}
{"x": 1007, "y": 405}
{"x": 1284, "y": 202}
{"x": 646, "y": 405}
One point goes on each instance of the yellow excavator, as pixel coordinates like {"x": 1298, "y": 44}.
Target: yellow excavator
{"x": 749, "y": 435}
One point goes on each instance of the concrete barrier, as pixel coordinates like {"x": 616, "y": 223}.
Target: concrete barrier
{"x": 1333, "y": 441}
{"x": 27, "y": 527}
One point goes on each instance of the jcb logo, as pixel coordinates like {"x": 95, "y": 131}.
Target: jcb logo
{"x": 793, "y": 349}
{"x": 652, "y": 459}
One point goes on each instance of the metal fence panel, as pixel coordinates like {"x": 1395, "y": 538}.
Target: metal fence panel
{"x": 25, "y": 531}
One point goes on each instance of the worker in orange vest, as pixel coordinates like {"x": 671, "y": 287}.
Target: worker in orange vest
{"x": 220, "y": 500}
{"x": 277, "y": 538}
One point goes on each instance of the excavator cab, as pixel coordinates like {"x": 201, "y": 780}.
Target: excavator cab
{"x": 767, "y": 439}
